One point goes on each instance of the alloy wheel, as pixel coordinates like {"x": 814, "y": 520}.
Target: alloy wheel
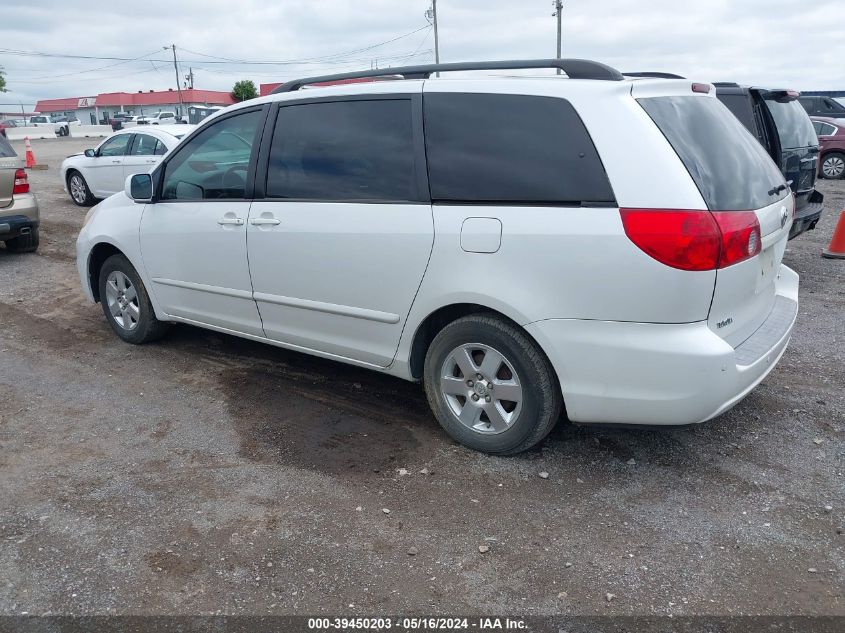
{"x": 833, "y": 167}
{"x": 481, "y": 388}
{"x": 78, "y": 190}
{"x": 122, "y": 300}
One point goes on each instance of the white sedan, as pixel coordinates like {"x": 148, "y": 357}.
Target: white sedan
{"x": 101, "y": 172}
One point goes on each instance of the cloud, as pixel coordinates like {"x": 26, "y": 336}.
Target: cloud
{"x": 762, "y": 42}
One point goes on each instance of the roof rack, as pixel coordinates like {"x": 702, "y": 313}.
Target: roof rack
{"x": 650, "y": 73}
{"x": 574, "y": 69}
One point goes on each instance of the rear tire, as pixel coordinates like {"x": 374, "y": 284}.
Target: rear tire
{"x": 833, "y": 166}
{"x": 126, "y": 304}
{"x": 79, "y": 191}
{"x": 490, "y": 385}
{"x": 24, "y": 243}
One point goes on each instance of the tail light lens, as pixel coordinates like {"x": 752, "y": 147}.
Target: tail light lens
{"x": 740, "y": 236}
{"x": 693, "y": 240}
{"x": 21, "y": 182}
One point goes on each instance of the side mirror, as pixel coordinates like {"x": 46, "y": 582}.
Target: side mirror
{"x": 90, "y": 153}
{"x": 139, "y": 187}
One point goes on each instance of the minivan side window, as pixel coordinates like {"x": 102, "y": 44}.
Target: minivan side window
{"x": 214, "y": 164}
{"x": 344, "y": 150}
{"x": 510, "y": 149}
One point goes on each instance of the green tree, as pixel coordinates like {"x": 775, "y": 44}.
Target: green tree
{"x": 2, "y": 82}
{"x": 243, "y": 90}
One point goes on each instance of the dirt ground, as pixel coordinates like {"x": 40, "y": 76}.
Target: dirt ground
{"x": 207, "y": 474}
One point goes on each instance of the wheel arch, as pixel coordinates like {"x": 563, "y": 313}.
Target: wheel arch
{"x": 96, "y": 258}
{"x": 443, "y": 316}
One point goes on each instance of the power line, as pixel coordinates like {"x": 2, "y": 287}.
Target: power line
{"x": 215, "y": 60}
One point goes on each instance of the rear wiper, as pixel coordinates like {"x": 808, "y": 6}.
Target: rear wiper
{"x": 776, "y": 190}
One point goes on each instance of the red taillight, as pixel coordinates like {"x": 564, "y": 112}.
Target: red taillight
{"x": 688, "y": 240}
{"x": 693, "y": 240}
{"x": 705, "y": 88}
{"x": 21, "y": 182}
{"x": 740, "y": 236}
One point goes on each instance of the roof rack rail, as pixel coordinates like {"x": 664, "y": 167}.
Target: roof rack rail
{"x": 650, "y": 73}
{"x": 574, "y": 69}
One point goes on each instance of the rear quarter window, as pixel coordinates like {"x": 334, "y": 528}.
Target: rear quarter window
{"x": 510, "y": 149}
{"x": 731, "y": 169}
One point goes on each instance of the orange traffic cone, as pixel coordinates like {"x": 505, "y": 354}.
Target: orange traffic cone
{"x": 30, "y": 157}
{"x": 836, "y": 250}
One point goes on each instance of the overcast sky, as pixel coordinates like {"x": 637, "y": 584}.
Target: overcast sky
{"x": 783, "y": 43}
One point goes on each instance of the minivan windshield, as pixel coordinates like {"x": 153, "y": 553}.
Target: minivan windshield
{"x": 732, "y": 170}
{"x": 793, "y": 125}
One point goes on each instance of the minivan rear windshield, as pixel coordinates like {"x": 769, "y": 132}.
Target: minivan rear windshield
{"x": 793, "y": 124}
{"x": 6, "y": 150}
{"x": 732, "y": 170}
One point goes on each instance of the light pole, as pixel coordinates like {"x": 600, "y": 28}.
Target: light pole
{"x": 431, "y": 15}
{"x": 558, "y": 4}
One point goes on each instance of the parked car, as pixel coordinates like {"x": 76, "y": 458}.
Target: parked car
{"x": 606, "y": 245}
{"x": 822, "y": 106}
{"x": 6, "y": 123}
{"x": 121, "y": 120}
{"x": 19, "y": 217}
{"x": 60, "y": 124}
{"x": 831, "y": 133}
{"x": 101, "y": 172}
{"x": 160, "y": 118}
{"x": 776, "y": 119}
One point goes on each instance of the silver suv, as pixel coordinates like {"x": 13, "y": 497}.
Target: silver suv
{"x": 19, "y": 216}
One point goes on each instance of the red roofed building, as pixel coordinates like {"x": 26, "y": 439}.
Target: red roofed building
{"x": 104, "y": 106}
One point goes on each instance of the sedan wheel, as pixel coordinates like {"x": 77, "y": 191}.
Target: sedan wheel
{"x": 79, "y": 192}
{"x": 834, "y": 166}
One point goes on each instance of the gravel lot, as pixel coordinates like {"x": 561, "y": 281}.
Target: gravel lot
{"x": 207, "y": 474}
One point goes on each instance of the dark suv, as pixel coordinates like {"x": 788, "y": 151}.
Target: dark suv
{"x": 785, "y": 130}
{"x": 822, "y": 106}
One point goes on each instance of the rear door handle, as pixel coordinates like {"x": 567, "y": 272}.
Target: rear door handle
{"x": 230, "y": 221}
{"x": 265, "y": 221}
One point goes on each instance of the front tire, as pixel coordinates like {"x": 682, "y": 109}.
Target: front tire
{"x": 490, "y": 386}
{"x": 126, "y": 304}
{"x": 24, "y": 243}
{"x": 79, "y": 191}
{"x": 833, "y": 166}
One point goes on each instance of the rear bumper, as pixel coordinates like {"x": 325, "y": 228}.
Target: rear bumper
{"x": 662, "y": 374}
{"x": 806, "y": 218}
{"x": 20, "y": 217}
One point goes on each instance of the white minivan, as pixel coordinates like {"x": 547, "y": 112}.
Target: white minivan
{"x": 592, "y": 245}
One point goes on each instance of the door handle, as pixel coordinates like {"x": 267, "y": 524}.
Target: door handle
{"x": 265, "y": 221}
{"x": 230, "y": 221}
{"x": 117, "y": 162}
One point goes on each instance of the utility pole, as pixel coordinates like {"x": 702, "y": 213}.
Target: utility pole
{"x": 190, "y": 78}
{"x": 178, "y": 83}
{"x": 558, "y": 4}
{"x": 431, "y": 14}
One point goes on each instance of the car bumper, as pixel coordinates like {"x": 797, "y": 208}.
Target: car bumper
{"x": 806, "y": 219}
{"x": 662, "y": 374}
{"x": 20, "y": 217}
